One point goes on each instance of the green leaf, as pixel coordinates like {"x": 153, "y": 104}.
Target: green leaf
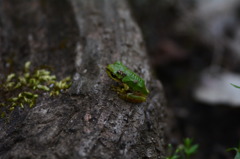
{"x": 237, "y": 156}
{"x": 191, "y": 150}
{"x": 10, "y": 77}
{"x": 235, "y": 85}
{"x": 27, "y": 66}
{"x": 173, "y": 157}
{"x": 42, "y": 87}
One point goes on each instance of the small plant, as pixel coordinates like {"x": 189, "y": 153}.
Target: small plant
{"x": 23, "y": 89}
{"x": 237, "y": 150}
{"x": 172, "y": 153}
{"x": 184, "y": 151}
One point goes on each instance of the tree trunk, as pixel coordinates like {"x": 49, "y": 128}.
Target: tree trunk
{"x": 79, "y": 38}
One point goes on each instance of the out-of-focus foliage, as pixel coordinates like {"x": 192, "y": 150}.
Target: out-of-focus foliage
{"x": 184, "y": 151}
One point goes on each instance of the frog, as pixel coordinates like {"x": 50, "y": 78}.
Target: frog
{"x": 132, "y": 88}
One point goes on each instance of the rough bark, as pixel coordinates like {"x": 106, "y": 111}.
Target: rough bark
{"x": 79, "y": 38}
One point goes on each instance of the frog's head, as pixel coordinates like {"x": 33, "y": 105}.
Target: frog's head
{"x": 114, "y": 71}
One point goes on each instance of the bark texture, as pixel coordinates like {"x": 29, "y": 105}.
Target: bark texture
{"x": 79, "y": 38}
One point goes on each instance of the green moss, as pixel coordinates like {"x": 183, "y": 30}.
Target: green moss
{"x": 23, "y": 89}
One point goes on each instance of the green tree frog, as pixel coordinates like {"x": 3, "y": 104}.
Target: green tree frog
{"x": 132, "y": 87}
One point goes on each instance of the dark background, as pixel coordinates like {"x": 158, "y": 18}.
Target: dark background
{"x": 179, "y": 56}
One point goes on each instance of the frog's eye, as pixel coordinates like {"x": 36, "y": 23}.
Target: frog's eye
{"x": 135, "y": 81}
{"x": 121, "y": 73}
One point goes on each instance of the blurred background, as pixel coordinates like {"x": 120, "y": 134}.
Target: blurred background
{"x": 194, "y": 48}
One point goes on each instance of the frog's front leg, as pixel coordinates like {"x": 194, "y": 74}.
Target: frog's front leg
{"x": 119, "y": 90}
{"x": 124, "y": 87}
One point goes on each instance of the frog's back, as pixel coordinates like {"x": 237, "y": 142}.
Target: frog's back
{"x": 134, "y": 81}
{"x": 128, "y": 77}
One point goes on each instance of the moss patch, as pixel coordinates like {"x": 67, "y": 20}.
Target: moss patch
{"x": 23, "y": 89}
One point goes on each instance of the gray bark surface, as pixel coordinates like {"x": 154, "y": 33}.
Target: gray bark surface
{"x": 79, "y": 38}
